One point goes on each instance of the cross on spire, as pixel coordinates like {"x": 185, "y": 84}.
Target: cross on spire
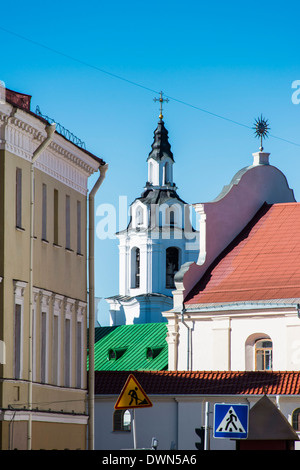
{"x": 161, "y": 100}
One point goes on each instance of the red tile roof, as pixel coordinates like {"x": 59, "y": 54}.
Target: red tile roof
{"x": 201, "y": 382}
{"x": 262, "y": 263}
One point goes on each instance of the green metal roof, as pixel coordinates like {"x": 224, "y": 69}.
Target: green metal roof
{"x": 131, "y": 347}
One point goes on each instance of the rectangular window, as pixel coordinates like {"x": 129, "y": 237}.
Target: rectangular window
{"x": 17, "y": 341}
{"x": 55, "y": 218}
{"x": 19, "y": 197}
{"x": 43, "y": 346}
{"x": 78, "y": 355}
{"x": 67, "y": 352}
{"x": 79, "y": 227}
{"x": 44, "y": 212}
{"x": 68, "y": 232}
{"x": 55, "y": 349}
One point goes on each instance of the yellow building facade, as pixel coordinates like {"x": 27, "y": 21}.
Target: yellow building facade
{"x": 43, "y": 385}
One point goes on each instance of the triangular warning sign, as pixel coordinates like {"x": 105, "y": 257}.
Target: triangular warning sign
{"x": 132, "y": 396}
{"x": 231, "y": 423}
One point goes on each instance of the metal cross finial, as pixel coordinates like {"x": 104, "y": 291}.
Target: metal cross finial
{"x": 161, "y": 100}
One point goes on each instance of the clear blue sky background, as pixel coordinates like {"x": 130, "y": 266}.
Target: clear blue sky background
{"x": 230, "y": 59}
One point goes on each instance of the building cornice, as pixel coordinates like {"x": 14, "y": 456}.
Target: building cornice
{"x": 235, "y": 310}
{"x": 21, "y": 133}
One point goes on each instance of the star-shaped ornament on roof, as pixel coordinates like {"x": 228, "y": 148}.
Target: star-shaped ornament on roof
{"x": 261, "y": 129}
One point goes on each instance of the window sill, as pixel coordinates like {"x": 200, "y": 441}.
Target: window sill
{"x": 45, "y": 241}
{"x": 20, "y": 229}
{"x": 122, "y": 431}
{"x": 69, "y": 250}
{"x": 56, "y": 245}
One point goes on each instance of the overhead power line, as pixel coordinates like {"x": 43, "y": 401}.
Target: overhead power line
{"x": 131, "y": 82}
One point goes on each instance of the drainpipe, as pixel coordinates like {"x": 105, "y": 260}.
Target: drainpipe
{"x": 91, "y": 394}
{"x": 50, "y": 129}
{"x": 188, "y": 338}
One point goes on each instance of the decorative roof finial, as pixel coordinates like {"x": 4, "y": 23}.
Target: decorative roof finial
{"x": 261, "y": 128}
{"x": 161, "y": 100}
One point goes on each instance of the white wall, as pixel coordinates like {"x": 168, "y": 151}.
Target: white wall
{"x": 172, "y": 420}
{"x": 218, "y": 341}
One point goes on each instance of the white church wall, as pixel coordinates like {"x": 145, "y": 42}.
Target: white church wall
{"x": 228, "y": 343}
{"x": 293, "y": 346}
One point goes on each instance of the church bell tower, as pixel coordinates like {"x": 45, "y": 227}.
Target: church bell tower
{"x": 157, "y": 241}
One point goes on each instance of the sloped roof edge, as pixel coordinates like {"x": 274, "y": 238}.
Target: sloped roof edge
{"x": 202, "y": 382}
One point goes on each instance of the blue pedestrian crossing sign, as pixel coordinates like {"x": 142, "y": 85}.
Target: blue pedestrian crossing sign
{"x": 231, "y": 421}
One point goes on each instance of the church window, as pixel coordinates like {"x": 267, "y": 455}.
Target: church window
{"x": 263, "y": 354}
{"x": 170, "y": 216}
{"x": 172, "y": 261}
{"x": 139, "y": 216}
{"x": 135, "y": 268}
{"x": 151, "y": 172}
{"x": 122, "y": 420}
{"x": 296, "y": 419}
{"x": 166, "y": 173}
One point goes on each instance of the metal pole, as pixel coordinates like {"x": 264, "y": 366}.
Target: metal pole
{"x": 206, "y": 434}
{"x": 134, "y": 428}
{"x": 91, "y": 395}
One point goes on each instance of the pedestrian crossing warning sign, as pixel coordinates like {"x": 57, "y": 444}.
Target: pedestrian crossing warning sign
{"x": 231, "y": 421}
{"x": 132, "y": 396}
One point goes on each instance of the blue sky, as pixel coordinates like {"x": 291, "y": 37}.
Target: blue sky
{"x": 222, "y": 64}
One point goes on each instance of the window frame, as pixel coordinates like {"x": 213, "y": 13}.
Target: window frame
{"x": 68, "y": 222}
{"x": 19, "y": 290}
{"x": 135, "y": 268}
{"x": 79, "y": 218}
{"x": 168, "y": 284}
{"x": 296, "y": 419}
{"x": 55, "y": 217}
{"x": 44, "y": 212}
{"x": 264, "y": 350}
{"x": 118, "y": 421}
{"x": 19, "y": 198}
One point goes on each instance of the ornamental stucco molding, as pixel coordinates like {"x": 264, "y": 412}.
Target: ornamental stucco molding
{"x": 21, "y": 134}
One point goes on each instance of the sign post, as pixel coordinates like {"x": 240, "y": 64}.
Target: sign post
{"x": 133, "y": 428}
{"x": 132, "y": 396}
{"x": 231, "y": 421}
